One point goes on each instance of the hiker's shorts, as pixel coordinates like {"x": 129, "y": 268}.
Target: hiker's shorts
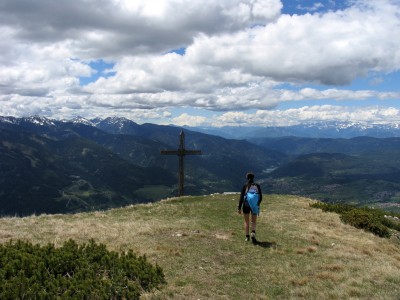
{"x": 246, "y": 208}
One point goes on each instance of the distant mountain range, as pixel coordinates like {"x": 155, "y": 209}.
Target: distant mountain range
{"x": 50, "y": 166}
{"x": 58, "y": 166}
{"x": 310, "y": 130}
{"x": 361, "y": 170}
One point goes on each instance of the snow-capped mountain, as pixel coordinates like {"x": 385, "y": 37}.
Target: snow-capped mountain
{"x": 28, "y": 122}
{"x": 36, "y": 120}
{"x": 117, "y": 125}
{"x": 81, "y": 120}
{"x": 312, "y": 130}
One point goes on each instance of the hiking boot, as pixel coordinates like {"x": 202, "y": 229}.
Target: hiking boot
{"x": 253, "y": 238}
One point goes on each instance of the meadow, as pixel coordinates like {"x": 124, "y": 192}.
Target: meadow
{"x": 198, "y": 241}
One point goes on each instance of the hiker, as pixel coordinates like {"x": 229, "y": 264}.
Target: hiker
{"x": 249, "y": 202}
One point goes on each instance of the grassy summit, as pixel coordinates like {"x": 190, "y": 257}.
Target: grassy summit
{"x": 199, "y": 243}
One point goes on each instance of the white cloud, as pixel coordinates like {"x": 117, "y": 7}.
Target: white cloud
{"x": 242, "y": 70}
{"x": 316, "y": 6}
{"x": 102, "y": 28}
{"x": 333, "y": 48}
{"x": 308, "y": 114}
{"x": 240, "y": 55}
{"x": 186, "y": 119}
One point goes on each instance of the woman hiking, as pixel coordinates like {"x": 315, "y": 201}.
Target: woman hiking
{"x": 249, "y": 202}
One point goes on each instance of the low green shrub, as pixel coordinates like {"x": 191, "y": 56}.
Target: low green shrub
{"x": 391, "y": 224}
{"x": 337, "y": 207}
{"x": 366, "y": 218}
{"x": 73, "y": 271}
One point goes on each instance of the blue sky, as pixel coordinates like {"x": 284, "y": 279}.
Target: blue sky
{"x": 202, "y": 63}
{"x": 313, "y": 6}
{"x": 100, "y": 68}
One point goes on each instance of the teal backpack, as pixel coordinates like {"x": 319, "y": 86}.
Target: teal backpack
{"x": 252, "y": 197}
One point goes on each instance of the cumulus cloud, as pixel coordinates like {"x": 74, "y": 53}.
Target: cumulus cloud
{"x": 332, "y": 48}
{"x": 109, "y": 28}
{"x": 240, "y": 70}
{"x": 239, "y": 55}
{"x": 307, "y": 114}
{"x": 188, "y": 120}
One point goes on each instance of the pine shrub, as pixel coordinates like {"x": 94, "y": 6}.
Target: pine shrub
{"x": 391, "y": 224}
{"x": 73, "y": 271}
{"x": 366, "y": 220}
{"x": 369, "y": 219}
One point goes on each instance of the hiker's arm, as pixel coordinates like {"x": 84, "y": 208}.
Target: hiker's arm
{"x": 259, "y": 189}
{"x": 241, "y": 199}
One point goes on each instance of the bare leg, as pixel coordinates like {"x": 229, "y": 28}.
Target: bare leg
{"x": 253, "y": 228}
{"x": 253, "y": 222}
{"x": 247, "y": 223}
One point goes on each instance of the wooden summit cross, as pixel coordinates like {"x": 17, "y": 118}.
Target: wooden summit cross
{"x": 181, "y": 152}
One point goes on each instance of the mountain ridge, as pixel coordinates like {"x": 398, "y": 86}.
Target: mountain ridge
{"x": 367, "y": 174}
{"x": 310, "y": 130}
{"x": 220, "y": 168}
{"x": 321, "y": 129}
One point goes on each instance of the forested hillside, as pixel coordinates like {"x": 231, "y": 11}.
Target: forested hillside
{"x": 67, "y": 166}
{"x": 51, "y": 166}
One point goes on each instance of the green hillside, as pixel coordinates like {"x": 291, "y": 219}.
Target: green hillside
{"x": 41, "y": 175}
{"x": 69, "y": 168}
{"x": 303, "y": 253}
{"x": 366, "y": 179}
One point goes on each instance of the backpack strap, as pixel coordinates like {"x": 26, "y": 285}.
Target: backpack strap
{"x": 247, "y": 189}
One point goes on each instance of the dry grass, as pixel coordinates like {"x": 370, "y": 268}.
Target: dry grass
{"x": 199, "y": 242}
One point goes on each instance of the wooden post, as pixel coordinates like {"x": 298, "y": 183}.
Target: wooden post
{"x": 181, "y": 152}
